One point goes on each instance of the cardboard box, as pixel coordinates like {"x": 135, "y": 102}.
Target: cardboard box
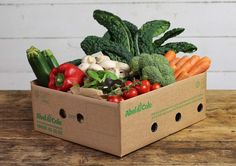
{"x": 122, "y": 128}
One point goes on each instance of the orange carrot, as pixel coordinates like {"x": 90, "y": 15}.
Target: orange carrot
{"x": 174, "y": 61}
{"x": 181, "y": 61}
{"x": 182, "y": 75}
{"x": 173, "y": 66}
{"x": 201, "y": 66}
{"x": 170, "y": 55}
{"x": 187, "y": 65}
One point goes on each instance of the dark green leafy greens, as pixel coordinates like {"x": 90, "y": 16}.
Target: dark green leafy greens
{"x": 94, "y": 78}
{"x": 116, "y": 28}
{"x": 177, "y": 47}
{"x": 123, "y": 40}
{"x": 93, "y": 44}
{"x": 169, "y": 34}
{"x": 148, "y": 31}
{"x": 102, "y": 80}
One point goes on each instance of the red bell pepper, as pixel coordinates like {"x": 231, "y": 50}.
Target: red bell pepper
{"x": 65, "y": 76}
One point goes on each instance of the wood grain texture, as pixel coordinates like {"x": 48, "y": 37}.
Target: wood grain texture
{"x": 209, "y": 142}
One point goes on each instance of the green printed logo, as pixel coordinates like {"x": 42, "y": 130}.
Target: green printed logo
{"x": 49, "y": 118}
{"x": 140, "y": 107}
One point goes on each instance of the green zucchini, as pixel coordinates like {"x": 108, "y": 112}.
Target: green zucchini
{"x": 75, "y": 62}
{"x": 39, "y": 65}
{"x": 51, "y": 60}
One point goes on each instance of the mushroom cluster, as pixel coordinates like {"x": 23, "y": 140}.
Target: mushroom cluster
{"x": 99, "y": 61}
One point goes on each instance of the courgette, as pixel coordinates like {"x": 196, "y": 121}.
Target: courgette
{"x": 39, "y": 65}
{"x": 75, "y": 62}
{"x": 51, "y": 60}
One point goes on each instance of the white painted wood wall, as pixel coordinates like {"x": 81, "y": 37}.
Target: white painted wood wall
{"x": 62, "y": 24}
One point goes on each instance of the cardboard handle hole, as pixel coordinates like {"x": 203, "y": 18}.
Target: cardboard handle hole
{"x": 62, "y": 113}
{"x": 80, "y": 118}
{"x": 178, "y": 117}
{"x": 154, "y": 127}
{"x": 200, "y": 107}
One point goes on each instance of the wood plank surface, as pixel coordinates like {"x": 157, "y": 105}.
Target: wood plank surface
{"x": 209, "y": 142}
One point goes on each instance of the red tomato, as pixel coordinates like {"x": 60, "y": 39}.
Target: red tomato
{"x": 115, "y": 99}
{"x": 136, "y": 81}
{"x": 132, "y": 92}
{"x": 155, "y": 86}
{"x": 142, "y": 88}
{"x": 128, "y": 83}
{"x": 146, "y": 82}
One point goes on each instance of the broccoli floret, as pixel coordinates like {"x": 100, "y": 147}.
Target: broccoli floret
{"x": 152, "y": 60}
{"x": 156, "y": 68}
{"x": 168, "y": 80}
{"x": 145, "y": 60}
{"x": 159, "y": 59}
{"x": 134, "y": 64}
{"x": 152, "y": 74}
{"x": 153, "y": 67}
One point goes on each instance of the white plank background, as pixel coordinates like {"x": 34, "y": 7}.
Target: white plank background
{"x": 62, "y": 24}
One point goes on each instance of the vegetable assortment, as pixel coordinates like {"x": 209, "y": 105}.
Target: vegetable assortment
{"x": 125, "y": 62}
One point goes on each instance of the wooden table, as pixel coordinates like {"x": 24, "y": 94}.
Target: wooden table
{"x": 210, "y": 142}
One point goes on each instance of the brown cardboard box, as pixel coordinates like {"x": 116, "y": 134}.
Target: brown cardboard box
{"x": 120, "y": 128}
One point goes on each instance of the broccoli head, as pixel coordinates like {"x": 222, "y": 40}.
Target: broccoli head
{"x": 153, "y": 67}
{"x": 152, "y": 74}
{"x": 152, "y": 60}
{"x": 134, "y": 64}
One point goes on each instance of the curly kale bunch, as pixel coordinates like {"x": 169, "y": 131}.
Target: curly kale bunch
{"x": 153, "y": 67}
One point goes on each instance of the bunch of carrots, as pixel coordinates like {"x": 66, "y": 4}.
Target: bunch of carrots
{"x": 185, "y": 66}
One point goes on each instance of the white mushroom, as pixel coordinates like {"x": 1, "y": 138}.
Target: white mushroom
{"x": 89, "y": 59}
{"x": 108, "y": 64}
{"x": 123, "y": 73}
{"x": 95, "y": 67}
{"x": 101, "y": 58}
{"x": 84, "y": 66}
{"x": 97, "y": 54}
{"x": 123, "y": 66}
